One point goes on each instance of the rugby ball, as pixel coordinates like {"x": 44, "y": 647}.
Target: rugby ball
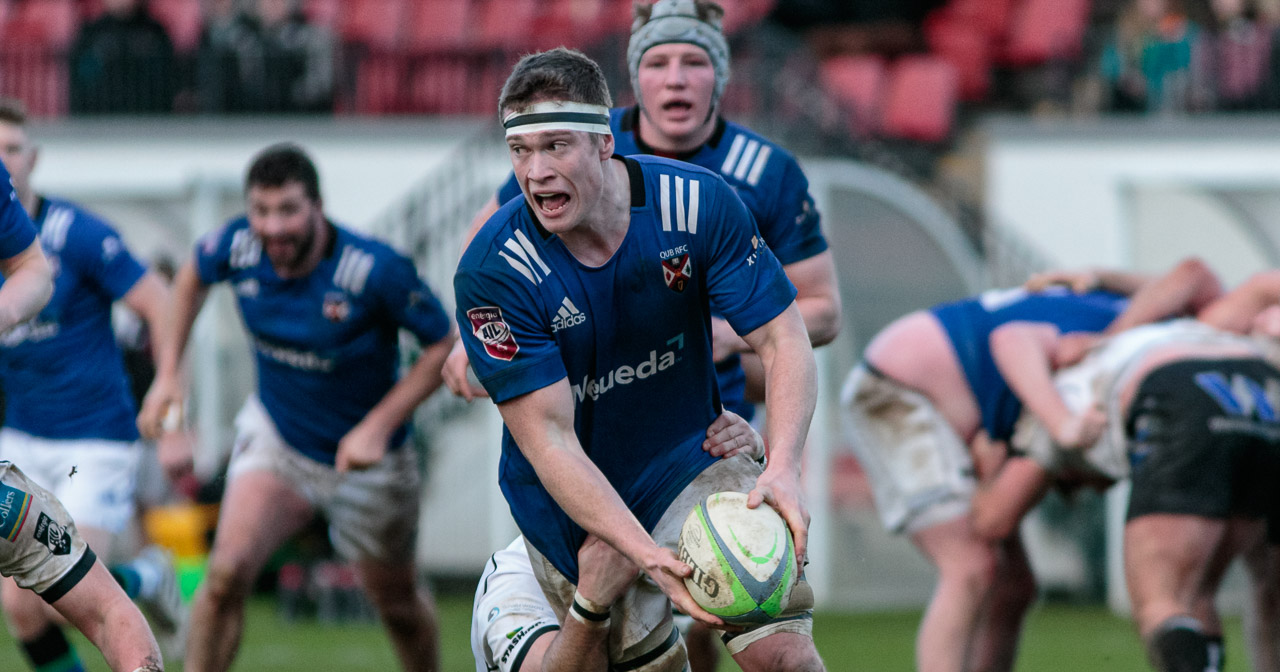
{"x": 743, "y": 559}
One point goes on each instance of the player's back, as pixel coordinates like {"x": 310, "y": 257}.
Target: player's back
{"x": 970, "y": 322}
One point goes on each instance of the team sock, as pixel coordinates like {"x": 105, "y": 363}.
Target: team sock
{"x": 138, "y": 578}
{"x": 51, "y": 652}
{"x": 1179, "y": 645}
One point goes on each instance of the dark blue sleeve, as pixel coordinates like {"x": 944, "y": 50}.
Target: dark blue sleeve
{"x": 97, "y": 250}
{"x": 510, "y": 345}
{"x": 509, "y": 190}
{"x": 409, "y": 301}
{"x": 794, "y": 227}
{"x": 16, "y": 230}
{"x": 745, "y": 282}
{"x": 214, "y": 251}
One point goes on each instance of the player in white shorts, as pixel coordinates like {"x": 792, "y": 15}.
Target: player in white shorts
{"x": 512, "y": 623}
{"x": 326, "y": 431}
{"x": 69, "y": 416}
{"x": 41, "y": 550}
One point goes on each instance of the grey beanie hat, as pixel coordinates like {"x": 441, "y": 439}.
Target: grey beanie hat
{"x": 676, "y": 21}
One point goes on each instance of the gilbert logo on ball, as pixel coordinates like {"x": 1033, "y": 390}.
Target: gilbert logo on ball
{"x": 743, "y": 560}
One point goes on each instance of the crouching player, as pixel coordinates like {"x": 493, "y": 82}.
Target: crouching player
{"x": 1185, "y": 411}
{"x": 42, "y": 551}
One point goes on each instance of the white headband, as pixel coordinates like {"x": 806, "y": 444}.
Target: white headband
{"x": 558, "y": 115}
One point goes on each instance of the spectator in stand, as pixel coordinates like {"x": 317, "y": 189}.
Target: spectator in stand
{"x": 122, "y": 62}
{"x": 1235, "y": 58}
{"x": 1147, "y": 65}
{"x": 267, "y": 60}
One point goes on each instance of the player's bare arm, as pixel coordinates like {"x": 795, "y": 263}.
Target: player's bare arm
{"x": 541, "y": 423}
{"x": 150, "y": 298}
{"x": 1023, "y": 351}
{"x": 791, "y": 394}
{"x": 369, "y": 440}
{"x": 604, "y": 575}
{"x": 1235, "y": 311}
{"x": 169, "y": 387}
{"x": 28, "y": 284}
{"x": 1088, "y": 279}
{"x": 100, "y": 609}
{"x": 1002, "y": 500}
{"x": 1185, "y": 290}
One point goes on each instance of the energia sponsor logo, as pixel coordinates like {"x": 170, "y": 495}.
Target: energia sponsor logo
{"x": 627, "y": 374}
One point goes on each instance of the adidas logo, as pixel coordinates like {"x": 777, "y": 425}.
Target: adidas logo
{"x": 567, "y": 316}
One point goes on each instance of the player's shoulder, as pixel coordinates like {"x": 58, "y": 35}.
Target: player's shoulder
{"x": 508, "y": 229}
{"x": 379, "y": 249}
{"x": 753, "y": 161}
{"x": 232, "y": 233}
{"x": 65, "y": 221}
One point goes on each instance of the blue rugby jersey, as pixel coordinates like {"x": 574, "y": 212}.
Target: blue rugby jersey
{"x": 326, "y": 345}
{"x": 62, "y": 371}
{"x": 632, "y": 336}
{"x": 969, "y": 323}
{"x": 16, "y": 230}
{"x": 770, "y": 183}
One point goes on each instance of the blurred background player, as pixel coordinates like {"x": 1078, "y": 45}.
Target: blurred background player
{"x": 41, "y": 551}
{"x": 68, "y": 406}
{"x": 591, "y": 221}
{"x": 926, "y": 390}
{"x": 326, "y": 430}
{"x": 1186, "y": 412}
{"x": 679, "y": 64}
{"x": 514, "y": 628}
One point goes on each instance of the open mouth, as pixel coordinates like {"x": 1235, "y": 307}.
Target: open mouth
{"x": 552, "y": 203}
{"x": 677, "y": 106}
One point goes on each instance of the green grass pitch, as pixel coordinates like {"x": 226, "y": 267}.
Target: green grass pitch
{"x": 1057, "y": 637}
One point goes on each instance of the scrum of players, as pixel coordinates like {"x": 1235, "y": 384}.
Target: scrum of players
{"x": 963, "y": 415}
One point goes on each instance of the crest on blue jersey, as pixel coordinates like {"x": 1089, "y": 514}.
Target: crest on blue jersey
{"x": 336, "y": 308}
{"x": 677, "y": 271}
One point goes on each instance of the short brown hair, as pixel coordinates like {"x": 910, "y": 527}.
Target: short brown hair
{"x": 558, "y": 74}
{"x": 280, "y": 164}
{"x": 13, "y": 111}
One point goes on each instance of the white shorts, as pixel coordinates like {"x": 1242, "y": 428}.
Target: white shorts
{"x": 94, "y": 479}
{"x": 510, "y": 612}
{"x": 372, "y": 514}
{"x": 920, "y": 470}
{"x": 642, "y": 620}
{"x": 39, "y": 545}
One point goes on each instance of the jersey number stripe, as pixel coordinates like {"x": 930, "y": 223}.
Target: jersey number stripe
{"x": 529, "y": 262}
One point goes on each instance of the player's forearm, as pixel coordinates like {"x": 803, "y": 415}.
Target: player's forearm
{"x": 28, "y": 284}
{"x": 1021, "y": 353}
{"x": 790, "y": 388}
{"x": 418, "y": 383}
{"x": 150, "y": 298}
{"x": 1190, "y": 286}
{"x": 186, "y": 300}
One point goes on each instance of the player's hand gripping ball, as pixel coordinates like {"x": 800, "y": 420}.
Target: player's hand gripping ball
{"x": 743, "y": 560}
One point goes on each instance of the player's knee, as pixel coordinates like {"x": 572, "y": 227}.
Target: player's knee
{"x": 976, "y": 571}
{"x": 228, "y": 582}
{"x": 670, "y": 656}
{"x": 792, "y": 659}
{"x": 1179, "y": 644}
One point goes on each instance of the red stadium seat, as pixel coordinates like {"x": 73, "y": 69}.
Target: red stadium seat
{"x": 507, "y": 24}
{"x": 992, "y": 16}
{"x": 37, "y": 78}
{"x": 48, "y": 24}
{"x": 1046, "y": 30}
{"x": 323, "y": 12}
{"x": 439, "y": 25}
{"x": 373, "y": 23}
{"x": 857, "y": 82}
{"x": 573, "y": 23}
{"x": 379, "y": 82}
{"x": 920, "y": 103}
{"x": 965, "y": 45}
{"x": 182, "y": 19}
